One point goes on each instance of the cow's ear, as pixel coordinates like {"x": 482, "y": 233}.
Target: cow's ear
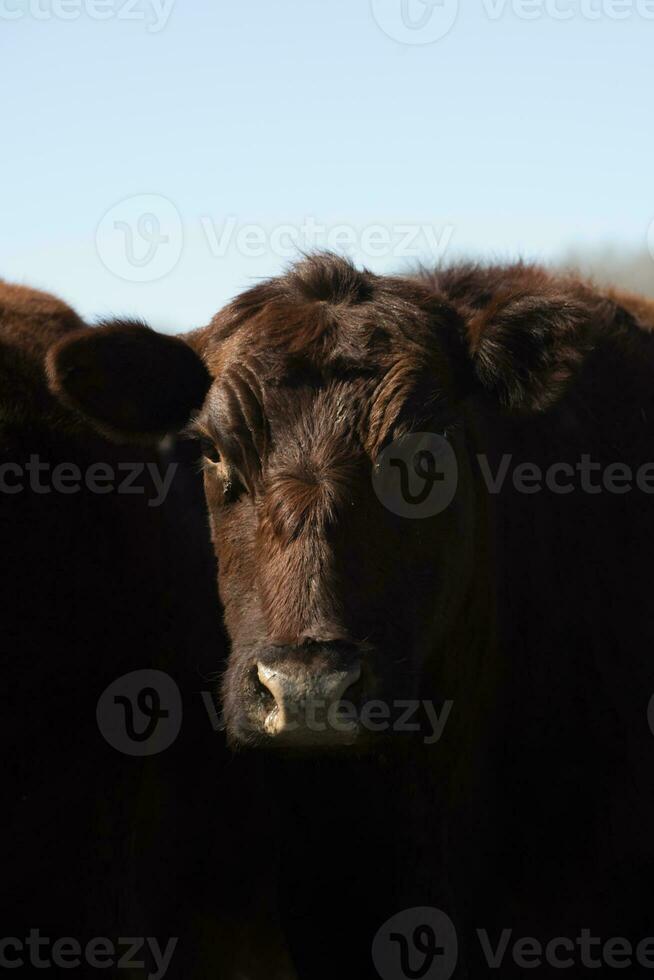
{"x": 527, "y": 349}
{"x": 130, "y": 382}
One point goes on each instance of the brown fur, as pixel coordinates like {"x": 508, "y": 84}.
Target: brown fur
{"x": 30, "y": 322}
{"x": 531, "y": 613}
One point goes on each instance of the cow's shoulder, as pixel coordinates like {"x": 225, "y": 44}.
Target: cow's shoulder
{"x": 30, "y": 322}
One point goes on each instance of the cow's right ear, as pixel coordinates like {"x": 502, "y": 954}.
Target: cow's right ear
{"x": 129, "y": 382}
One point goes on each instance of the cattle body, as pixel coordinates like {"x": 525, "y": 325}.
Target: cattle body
{"x": 526, "y": 611}
{"x": 94, "y": 586}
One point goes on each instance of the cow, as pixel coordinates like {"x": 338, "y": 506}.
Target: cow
{"x": 99, "y": 543}
{"x": 513, "y": 621}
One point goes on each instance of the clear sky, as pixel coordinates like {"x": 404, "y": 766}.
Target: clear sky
{"x": 158, "y": 156}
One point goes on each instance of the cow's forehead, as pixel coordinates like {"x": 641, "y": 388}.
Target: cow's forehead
{"x": 334, "y": 352}
{"x": 281, "y": 356}
{"x": 277, "y": 324}
{"x": 298, "y": 403}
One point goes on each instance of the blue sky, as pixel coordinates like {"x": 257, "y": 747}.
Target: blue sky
{"x": 159, "y": 160}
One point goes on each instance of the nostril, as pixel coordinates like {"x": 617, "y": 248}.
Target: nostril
{"x": 263, "y": 693}
{"x": 299, "y": 700}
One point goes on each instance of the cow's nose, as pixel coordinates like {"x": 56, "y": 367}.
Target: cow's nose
{"x": 310, "y": 703}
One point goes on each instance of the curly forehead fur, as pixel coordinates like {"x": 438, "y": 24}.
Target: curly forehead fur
{"x": 360, "y": 347}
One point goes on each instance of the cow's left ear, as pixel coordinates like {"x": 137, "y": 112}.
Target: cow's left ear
{"x": 129, "y": 382}
{"x": 526, "y": 350}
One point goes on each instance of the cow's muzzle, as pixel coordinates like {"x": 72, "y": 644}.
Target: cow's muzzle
{"x": 310, "y": 699}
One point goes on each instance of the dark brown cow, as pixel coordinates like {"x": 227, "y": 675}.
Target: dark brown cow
{"x": 72, "y": 568}
{"x": 95, "y": 584}
{"x": 527, "y": 609}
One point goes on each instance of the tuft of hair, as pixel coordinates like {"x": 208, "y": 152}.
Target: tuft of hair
{"x": 328, "y": 278}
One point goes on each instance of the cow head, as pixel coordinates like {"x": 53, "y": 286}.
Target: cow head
{"x": 299, "y": 393}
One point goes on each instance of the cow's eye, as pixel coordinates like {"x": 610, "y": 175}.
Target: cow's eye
{"x": 209, "y": 451}
{"x": 216, "y": 464}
